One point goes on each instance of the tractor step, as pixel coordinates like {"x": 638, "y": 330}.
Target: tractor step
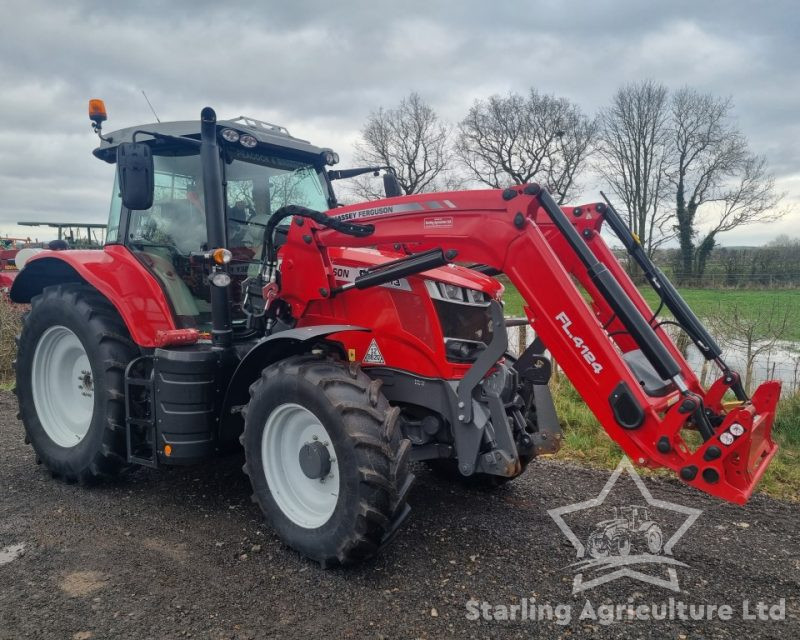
{"x": 140, "y": 415}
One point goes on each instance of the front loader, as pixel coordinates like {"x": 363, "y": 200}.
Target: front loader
{"x": 236, "y": 302}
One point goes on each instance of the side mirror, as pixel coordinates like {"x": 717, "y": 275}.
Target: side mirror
{"x": 135, "y": 169}
{"x": 391, "y": 186}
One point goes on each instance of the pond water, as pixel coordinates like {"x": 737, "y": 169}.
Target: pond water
{"x": 781, "y": 361}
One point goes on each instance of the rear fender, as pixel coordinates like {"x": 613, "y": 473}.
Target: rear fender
{"x": 116, "y": 274}
{"x": 266, "y": 352}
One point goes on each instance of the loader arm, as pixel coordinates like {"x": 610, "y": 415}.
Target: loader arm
{"x": 603, "y": 344}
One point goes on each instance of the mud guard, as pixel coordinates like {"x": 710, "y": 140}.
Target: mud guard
{"x": 116, "y": 274}
{"x": 266, "y": 352}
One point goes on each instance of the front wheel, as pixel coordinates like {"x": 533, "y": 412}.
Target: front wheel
{"x": 326, "y": 459}
{"x": 598, "y": 545}
{"x": 621, "y": 544}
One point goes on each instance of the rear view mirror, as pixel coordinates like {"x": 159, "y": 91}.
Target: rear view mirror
{"x": 135, "y": 169}
{"x": 391, "y": 186}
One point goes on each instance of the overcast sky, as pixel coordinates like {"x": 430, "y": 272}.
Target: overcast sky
{"x": 319, "y": 68}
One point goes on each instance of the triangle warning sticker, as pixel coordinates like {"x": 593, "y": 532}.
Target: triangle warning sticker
{"x": 373, "y": 354}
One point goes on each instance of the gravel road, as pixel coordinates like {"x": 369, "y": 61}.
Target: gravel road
{"x": 179, "y": 553}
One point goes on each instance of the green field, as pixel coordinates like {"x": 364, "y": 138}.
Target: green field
{"x": 709, "y": 302}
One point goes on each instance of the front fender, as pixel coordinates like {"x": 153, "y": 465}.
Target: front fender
{"x": 115, "y": 273}
{"x": 268, "y": 351}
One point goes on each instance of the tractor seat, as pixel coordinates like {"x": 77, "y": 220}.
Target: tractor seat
{"x": 652, "y": 383}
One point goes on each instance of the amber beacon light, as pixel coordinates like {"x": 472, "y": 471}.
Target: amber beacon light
{"x": 97, "y": 110}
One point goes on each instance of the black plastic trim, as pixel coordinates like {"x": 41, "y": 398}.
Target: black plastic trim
{"x": 626, "y": 408}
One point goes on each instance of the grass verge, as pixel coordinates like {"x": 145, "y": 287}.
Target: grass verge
{"x": 10, "y": 321}
{"x": 587, "y": 442}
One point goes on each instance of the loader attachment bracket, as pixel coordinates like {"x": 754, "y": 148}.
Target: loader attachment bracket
{"x": 485, "y": 361}
{"x": 535, "y": 368}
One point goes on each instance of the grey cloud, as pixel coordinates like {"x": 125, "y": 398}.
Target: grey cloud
{"x": 321, "y": 67}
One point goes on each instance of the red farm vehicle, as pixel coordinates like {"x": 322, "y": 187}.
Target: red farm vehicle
{"x": 235, "y": 301}
{"x": 9, "y": 248}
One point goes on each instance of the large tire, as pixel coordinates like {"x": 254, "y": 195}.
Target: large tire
{"x": 367, "y": 454}
{"x": 72, "y": 394}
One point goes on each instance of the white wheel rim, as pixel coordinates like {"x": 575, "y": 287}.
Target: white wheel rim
{"x": 63, "y": 386}
{"x": 308, "y": 502}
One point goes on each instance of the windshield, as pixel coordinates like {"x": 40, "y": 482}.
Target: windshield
{"x": 256, "y": 187}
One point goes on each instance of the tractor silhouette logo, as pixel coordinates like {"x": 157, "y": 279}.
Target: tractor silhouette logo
{"x": 627, "y": 538}
{"x": 630, "y": 527}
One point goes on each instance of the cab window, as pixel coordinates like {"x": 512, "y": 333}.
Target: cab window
{"x": 165, "y": 236}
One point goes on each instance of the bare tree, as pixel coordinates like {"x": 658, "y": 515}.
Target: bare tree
{"x": 409, "y": 138}
{"x": 634, "y": 153}
{"x": 714, "y": 169}
{"x": 519, "y": 139}
{"x": 751, "y": 334}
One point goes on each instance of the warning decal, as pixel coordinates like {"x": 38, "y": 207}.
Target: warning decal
{"x": 373, "y": 355}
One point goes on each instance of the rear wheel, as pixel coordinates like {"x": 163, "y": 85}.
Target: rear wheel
{"x": 326, "y": 459}
{"x": 71, "y": 362}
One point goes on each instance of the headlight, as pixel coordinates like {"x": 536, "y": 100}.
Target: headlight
{"x": 736, "y": 429}
{"x": 230, "y": 135}
{"x": 454, "y": 293}
{"x": 726, "y": 439}
{"x": 451, "y": 292}
{"x": 464, "y": 318}
{"x": 330, "y": 157}
{"x": 220, "y": 279}
{"x": 248, "y": 141}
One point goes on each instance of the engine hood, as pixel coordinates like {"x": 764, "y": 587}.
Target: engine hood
{"x": 451, "y": 274}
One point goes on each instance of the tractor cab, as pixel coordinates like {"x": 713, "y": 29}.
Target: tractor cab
{"x": 264, "y": 168}
{"x": 635, "y": 515}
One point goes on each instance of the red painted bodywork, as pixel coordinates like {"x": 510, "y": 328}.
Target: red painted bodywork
{"x": 120, "y": 277}
{"x": 7, "y": 271}
{"x": 7, "y": 279}
{"x": 404, "y": 323}
{"x": 480, "y": 226}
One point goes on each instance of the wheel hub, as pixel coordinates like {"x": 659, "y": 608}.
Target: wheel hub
{"x": 85, "y": 382}
{"x": 63, "y": 386}
{"x": 315, "y": 460}
{"x": 300, "y": 467}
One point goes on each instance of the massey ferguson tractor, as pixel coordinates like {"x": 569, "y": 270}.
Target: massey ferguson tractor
{"x": 630, "y": 526}
{"x": 236, "y": 301}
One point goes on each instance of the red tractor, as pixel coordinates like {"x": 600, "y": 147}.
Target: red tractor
{"x": 630, "y": 526}
{"x": 9, "y": 248}
{"x": 235, "y": 301}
